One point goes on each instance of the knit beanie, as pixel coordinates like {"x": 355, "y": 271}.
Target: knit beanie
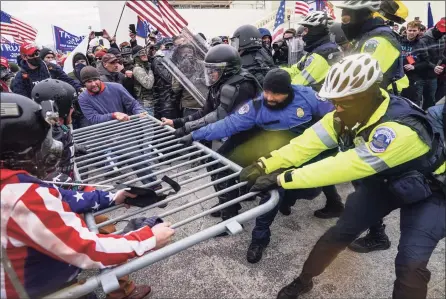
{"x": 46, "y": 51}
{"x": 89, "y": 73}
{"x": 277, "y": 81}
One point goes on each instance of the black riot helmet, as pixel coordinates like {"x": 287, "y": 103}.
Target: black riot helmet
{"x": 221, "y": 61}
{"x": 61, "y": 93}
{"x": 246, "y": 37}
{"x": 27, "y": 143}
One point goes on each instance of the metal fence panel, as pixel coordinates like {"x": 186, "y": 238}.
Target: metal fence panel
{"x": 138, "y": 152}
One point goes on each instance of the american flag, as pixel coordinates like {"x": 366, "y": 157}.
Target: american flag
{"x": 19, "y": 30}
{"x": 302, "y": 8}
{"x": 280, "y": 22}
{"x": 160, "y": 14}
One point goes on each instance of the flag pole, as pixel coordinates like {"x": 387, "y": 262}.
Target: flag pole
{"x": 120, "y": 18}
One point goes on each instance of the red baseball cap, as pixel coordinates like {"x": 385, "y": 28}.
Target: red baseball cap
{"x": 28, "y": 49}
{"x": 441, "y": 25}
{"x": 4, "y": 62}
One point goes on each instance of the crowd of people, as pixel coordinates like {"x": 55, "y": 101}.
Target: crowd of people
{"x": 325, "y": 104}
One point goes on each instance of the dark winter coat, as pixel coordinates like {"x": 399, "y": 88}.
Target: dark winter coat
{"x": 435, "y": 48}
{"x": 166, "y": 105}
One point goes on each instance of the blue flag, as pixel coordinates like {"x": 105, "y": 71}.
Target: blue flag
{"x": 142, "y": 28}
{"x": 9, "y": 50}
{"x": 65, "y": 41}
{"x": 430, "y": 17}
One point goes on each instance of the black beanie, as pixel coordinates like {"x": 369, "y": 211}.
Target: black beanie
{"x": 46, "y": 51}
{"x": 89, "y": 73}
{"x": 277, "y": 81}
{"x": 136, "y": 50}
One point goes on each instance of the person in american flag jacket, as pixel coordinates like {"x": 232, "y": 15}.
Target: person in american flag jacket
{"x": 45, "y": 239}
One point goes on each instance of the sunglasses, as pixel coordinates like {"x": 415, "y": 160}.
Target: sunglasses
{"x": 36, "y": 54}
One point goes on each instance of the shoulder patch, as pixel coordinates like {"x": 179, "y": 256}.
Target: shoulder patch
{"x": 330, "y": 56}
{"x": 244, "y": 109}
{"x": 308, "y": 61}
{"x": 382, "y": 139}
{"x": 370, "y": 46}
{"x": 319, "y": 98}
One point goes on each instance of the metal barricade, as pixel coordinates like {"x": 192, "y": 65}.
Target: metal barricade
{"x": 139, "y": 150}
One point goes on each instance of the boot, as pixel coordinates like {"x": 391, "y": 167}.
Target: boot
{"x": 332, "y": 209}
{"x": 294, "y": 289}
{"x": 376, "y": 239}
{"x": 128, "y": 290}
{"x": 255, "y": 252}
{"x": 285, "y": 209}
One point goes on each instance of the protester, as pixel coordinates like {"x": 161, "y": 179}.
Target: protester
{"x": 6, "y": 75}
{"x": 110, "y": 69}
{"x": 143, "y": 78}
{"x": 48, "y": 56}
{"x": 216, "y": 41}
{"x": 34, "y": 70}
{"x": 266, "y": 40}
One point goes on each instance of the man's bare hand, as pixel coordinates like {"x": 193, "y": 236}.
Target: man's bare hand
{"x": 409, "y": 67}
{"x": 121, "y": 116}
{"x": 121, "y": 195}
{"x": 128, "y": 74}
{"x": 438, "y": 69}
{"x": 163, "y": 234}
{"x": 166, "y": 122}
{"x": 143, "y": 114}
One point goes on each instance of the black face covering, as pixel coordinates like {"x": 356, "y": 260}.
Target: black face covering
{"x": 78, "y": 69}
{"x": 357, "y": 19}
{"x": 361, "y": 108}
{"x": 314, "y": 34}
{"x": 34, "y": 61}
{"x": 437, "y": 34}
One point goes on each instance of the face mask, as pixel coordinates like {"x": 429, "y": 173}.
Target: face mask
{"x": 314, "y": 34}
{"x": 354, "y": 20}
{"x": 437, "y": 33}
{"x": 53, "y": 61}
{"x": 34, "y": 61}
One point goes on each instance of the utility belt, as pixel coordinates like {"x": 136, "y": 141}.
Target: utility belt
{"x": 413, "y": 186}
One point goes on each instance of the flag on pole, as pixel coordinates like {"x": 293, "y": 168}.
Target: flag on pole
{"x": 160, "y": 14}
{"x": 430, "y": 17}
{"x": 142, "y": 28}
{"x": 19, "y": 30}
{"x": 279, "y": 24}
{"x": 329, "y": 9}
{"x": 302, "y": 8}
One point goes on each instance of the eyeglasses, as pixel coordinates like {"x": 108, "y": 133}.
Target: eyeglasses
{"x": 348, "y": 104}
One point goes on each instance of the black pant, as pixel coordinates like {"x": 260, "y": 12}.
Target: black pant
{"x": 422, "y": 226}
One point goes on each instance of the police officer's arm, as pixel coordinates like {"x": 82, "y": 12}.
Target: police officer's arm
{"x": 242, "y": 120}
{"x": 390, "y": 145}
{"x": 314, "y": 72}
{"x": 316, "y": 139}
{"x": 382, "y": 50}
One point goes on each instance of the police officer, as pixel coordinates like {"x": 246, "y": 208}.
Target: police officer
{"x": 363, "y": 26}
{"x": 392, "y": 148}
{"x": 322, "y": 53}
{"x": 284, "y": 111}
{"x": 229, "y": 87}
{"x": 248, "y": 42}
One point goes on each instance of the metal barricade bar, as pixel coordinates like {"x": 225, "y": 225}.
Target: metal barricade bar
{"x": 139, "y": 165}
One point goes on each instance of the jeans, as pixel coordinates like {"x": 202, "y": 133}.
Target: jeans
{"x": 425, "y": 89}
{"x": 261, "y": 233}
{"x": 422, "y": 226}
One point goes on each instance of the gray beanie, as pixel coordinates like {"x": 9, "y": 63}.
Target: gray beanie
{"x": 89, "y": 73}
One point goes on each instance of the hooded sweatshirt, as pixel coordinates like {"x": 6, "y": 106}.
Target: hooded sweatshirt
{"x": 417, "y": 51}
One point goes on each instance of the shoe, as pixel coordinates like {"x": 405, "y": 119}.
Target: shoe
{"x": 285, "y": 209}
{"x": 255, "y": 252}
{"x": 376, "y": 239}
{"x": 140, "y": 292}
{"x": 217, "y": 214}
{"x": 294, "y": 289}
{"x": 331, "y": 210}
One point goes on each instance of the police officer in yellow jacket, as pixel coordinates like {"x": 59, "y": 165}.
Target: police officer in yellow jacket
{"x": 311, "y": 70}
{"x": 391, "y": 148}
{"x": 322, "y": 53}
{"x": 363, "y": 24}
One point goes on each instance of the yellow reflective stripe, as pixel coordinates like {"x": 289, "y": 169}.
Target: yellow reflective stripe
{"x": 307, "y": 76}
{"x": 324, "y": 136}
{"x": 373, "y": 161}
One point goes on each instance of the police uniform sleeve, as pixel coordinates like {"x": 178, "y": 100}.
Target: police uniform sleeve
{"x": 243, "y": 119}
{"x": 390, "y": 144}
{"x": 319, "y": 138}
{"x": 314, "y": 72}
{"x": 382, "y": 50}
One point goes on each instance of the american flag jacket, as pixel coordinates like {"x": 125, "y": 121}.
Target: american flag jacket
{"x": 46, "y": 240}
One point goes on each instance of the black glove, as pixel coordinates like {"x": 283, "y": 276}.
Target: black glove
{"x": 251, "y": 173}
{"x": 265, "y": 183}
{"x": 186, "y": 140}
{"x": 80, "y": 150}
{"x": 180, "y": 132}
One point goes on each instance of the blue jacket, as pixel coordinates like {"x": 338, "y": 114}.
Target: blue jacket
{"x": 26, "y": 78}
{"x": 305, "y": 109}
{"x": 437, "y": 113}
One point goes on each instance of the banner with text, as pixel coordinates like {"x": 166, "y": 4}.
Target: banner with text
{"x": 9, "y": 49}
{"x": 65, "y": 41}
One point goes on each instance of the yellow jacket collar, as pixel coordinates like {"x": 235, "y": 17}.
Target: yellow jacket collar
{"x": 376, "y": 116}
